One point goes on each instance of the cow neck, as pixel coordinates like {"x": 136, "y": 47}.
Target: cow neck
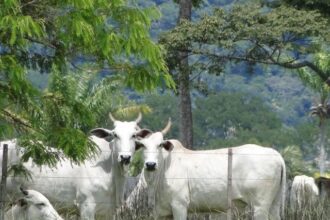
{"x": 105, "y": 161}
{"x": 106, "y": 164}
{"x": 157, "y": 178}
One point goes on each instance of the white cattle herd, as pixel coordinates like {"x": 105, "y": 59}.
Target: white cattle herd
{"x": 177, "y": 180}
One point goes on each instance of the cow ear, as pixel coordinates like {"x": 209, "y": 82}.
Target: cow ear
{"x": 143, "y": 133}
{"x": 24, "y": 191}
{"x": 102, "y": 133}
{"x": 138, "y": 145}
{"x": 167, "y": 145}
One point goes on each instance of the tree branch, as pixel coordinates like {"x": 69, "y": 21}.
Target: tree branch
{"x": 270, "y": 61}
{"x": 41, "y": 42}
{"x": 15, "y": 118}
{"x": 29, "y": 3}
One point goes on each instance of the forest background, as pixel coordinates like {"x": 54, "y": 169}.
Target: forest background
{"x": 233, "y": 103}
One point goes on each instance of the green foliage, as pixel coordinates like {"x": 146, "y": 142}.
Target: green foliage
{"x": 294, "y": 161}
{"x": 231, "y": 119}
{"x": 137, "y": 163}
{"x": 321, "y": 5}
{"x": 163, "y": 107}
{"x": 65, "y": 29}
{"x": 251, "y": 34}
{"x": 16, "y": 92}
{"x": 20, "y": 170}
{"x": 48, "y": 36}
{"x": 315, "y": 82}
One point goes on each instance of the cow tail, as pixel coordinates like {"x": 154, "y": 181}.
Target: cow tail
{"x": 280, "y": 198}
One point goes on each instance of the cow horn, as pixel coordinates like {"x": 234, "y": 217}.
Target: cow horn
{"x": 111, "y": 117}
{"x": 139, "y": 118}
{"x": 167, "y": 127}
{"x": 23, "y": 190}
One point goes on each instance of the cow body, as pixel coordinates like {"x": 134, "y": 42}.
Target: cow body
{"x": 181, "y": 181}
{"x": 97, "y": 186}
{"x": 304, "y": 193}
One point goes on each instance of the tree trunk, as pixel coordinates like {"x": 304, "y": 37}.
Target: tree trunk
{"x": 323, "y": 155}
{"x": 186, "y": 123}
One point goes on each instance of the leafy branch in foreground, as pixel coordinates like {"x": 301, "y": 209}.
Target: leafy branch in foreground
{"x": 57, "y": 38}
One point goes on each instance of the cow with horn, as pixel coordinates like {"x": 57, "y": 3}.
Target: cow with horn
{"x": 96, "y": 187}
{"x": 179, "y": 180}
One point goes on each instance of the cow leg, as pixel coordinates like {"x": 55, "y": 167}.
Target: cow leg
{"x": 275, "y": 213}
{"x": 260, "y": 213}
{"x": 179, "y": 211}
{"x": 87, "y": 210}
{"x": 163, "y": 218}
{"x": 120, "y": 186}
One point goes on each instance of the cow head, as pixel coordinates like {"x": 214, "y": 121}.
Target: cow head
{"x": 123, "y": 137}
{"x": 33, "y": 205}
{"x": 152, "y": 146}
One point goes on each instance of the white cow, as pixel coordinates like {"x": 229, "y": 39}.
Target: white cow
{"x": 180, "y": 180}
{"x": 33, "y": 206}
{"x": 97, "y": 186}
{"x": 304, "y": 193}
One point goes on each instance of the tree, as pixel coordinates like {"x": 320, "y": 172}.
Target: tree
{"x": 58, "y": 37}
{"x": 186, "y": 122}
{"x": 246, "y": 33}
{"x": 182, "y": 74}
{"x": 322, "y": 110}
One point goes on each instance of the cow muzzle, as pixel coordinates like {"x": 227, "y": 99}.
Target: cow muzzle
{"x": 150, "y": 166}
{"x": 125, "y": 159}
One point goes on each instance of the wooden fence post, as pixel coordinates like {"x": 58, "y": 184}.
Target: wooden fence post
{"x": 229, "y": 184}
{"x": 3, "y": 184}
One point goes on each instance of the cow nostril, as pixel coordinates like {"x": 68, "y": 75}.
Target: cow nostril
{"x": 151, "y": 165}
{"x": 125, "y": 159}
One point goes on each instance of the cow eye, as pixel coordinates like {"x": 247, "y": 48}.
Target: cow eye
{"x": 115, "y": 135}
{"x": 40, "y": 205}
{"x": 134, "y": 136}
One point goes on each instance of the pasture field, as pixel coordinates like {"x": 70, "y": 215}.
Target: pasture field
{"x": 141, "y": 211}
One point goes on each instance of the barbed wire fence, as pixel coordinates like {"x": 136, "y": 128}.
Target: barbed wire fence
{"x": 141, "y": 208}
